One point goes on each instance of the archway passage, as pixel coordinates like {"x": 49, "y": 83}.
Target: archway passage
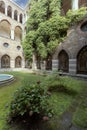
{"x": 63, "y": 61}
{"x": 5, "y": 61}
{"x": 49, "y": 63}
{"x": 18, "y": 62}
{"x": 82, "y": 61}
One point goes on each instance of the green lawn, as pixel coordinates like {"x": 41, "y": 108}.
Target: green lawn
{"x": 61, "y": 101}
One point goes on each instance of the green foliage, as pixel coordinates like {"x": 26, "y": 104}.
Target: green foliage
{"x": 80, "y": 117}
{"x": 30, "y": 100}
{"x": 74, "y": 16}
{"x": 65, "y": 84}
{"x": 47, "y": 28}
{"x": 40, "y": 35}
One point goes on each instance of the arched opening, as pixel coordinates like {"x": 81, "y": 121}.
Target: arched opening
{"x": 49, "y": 62}
{"x": 18, "y": 62}
{"x": 15, "y": 15}
{"x": 2, "y": 7}
{"x": 5, "y": 61}
{"x": 5, "y": 28}
{"x": 82, "y": 61}
{"x": 63, "y": 61}
{"x": 18, "y": 33}
{"x": 21, "y": 18}
{"x": 9, "y": 11}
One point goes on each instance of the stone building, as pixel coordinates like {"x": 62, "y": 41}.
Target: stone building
{"x": 71, "y": 55}
{"x": 12, "y": 29}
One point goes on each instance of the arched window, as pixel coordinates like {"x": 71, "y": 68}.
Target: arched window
{"x": 82, "y": 61}
{"x": 5, "y": 61}
{"x": 18, "y": 62}
{"x": 2, "y": 7}
{"x": 5, "y": 29}
{"x": 9, "y": 11}
{"x": 63, "y": 61}
{"x": 15, "y": 15}
{"x": 21, "y": 18}
{"x": 84, "y": 27}
{"x": 18, "y": 33}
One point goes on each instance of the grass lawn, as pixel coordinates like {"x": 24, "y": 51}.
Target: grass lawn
{"x": 61, "y": 101}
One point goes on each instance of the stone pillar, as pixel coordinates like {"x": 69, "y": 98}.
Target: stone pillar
{"x": 0, "y": 62}
{"x": 34, "y": 67}
{"x": 12, "y": 14}
{"x": 75, "y": 4}
{"x": 43, "y": 65}
{"x": 23, "y": 19}
{"x": 72, "y": 66}
{"x": 23, "y": 63}
{"x": 54, "y": 64}
{"x": 12, "y": 63}
{"x": 12, "y": 34}
{"x": 6, "y": 10}
{"x": 18, "y": 18}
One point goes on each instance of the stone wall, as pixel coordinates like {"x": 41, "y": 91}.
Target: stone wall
{"x": 12, "y": 32}
{"x": 76, "y": 39}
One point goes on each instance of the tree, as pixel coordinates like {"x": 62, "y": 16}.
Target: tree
{"x": 46, "y": 28}
{"x": 41, "y": 38}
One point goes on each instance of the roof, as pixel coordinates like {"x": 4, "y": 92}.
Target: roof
{"x": 21, "y": 3}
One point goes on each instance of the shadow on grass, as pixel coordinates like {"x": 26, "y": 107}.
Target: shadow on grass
{"x": 26, "y": 124}
{"x": 62, "y": 89}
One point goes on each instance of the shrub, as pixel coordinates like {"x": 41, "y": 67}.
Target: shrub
{"x": 30, "y": 101}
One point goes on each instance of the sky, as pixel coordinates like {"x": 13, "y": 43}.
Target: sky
{"x": 21, "y": 3}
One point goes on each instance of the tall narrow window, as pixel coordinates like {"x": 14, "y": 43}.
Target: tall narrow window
{"x": 15, "y": 15}
{"x": 9, "y": 11}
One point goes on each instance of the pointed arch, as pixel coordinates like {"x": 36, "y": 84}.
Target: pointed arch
{"x": 5, "y": 61}
{"x": 63, "y": 59}
{"x": 18, "y": 62}
{"x": 18, "y": 33}
{"x": 82, "y": 61}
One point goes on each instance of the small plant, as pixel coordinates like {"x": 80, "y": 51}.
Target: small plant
{"x": 30, "y": 101}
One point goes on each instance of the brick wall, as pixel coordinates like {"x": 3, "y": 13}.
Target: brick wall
{"x": 82, "y": 3}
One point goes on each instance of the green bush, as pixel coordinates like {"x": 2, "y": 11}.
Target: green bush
{"x": 57, "y": 83}
{"x": 29, "y": 101}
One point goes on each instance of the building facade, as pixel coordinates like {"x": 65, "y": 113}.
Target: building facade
{"x": 71, "y": 55}
{"x": 12, "y": 30}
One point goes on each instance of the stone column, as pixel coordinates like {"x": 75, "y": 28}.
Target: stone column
{"x": 54, "y": 64}
{"x": 12, "y": 34}
{"x": 0, "y": 62}
{"x": 18, "y": 18}
{"x": 72, "y": 66}
{"x": 23, "y": 63}
{"x": 34, "y": 67}
{"x": 12, "y": 14}
{"x": 43, "y": 65}
{"x": 75, "y": 4}
{"x": 6, "y": 10}
{"x": 12, "y": 63}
